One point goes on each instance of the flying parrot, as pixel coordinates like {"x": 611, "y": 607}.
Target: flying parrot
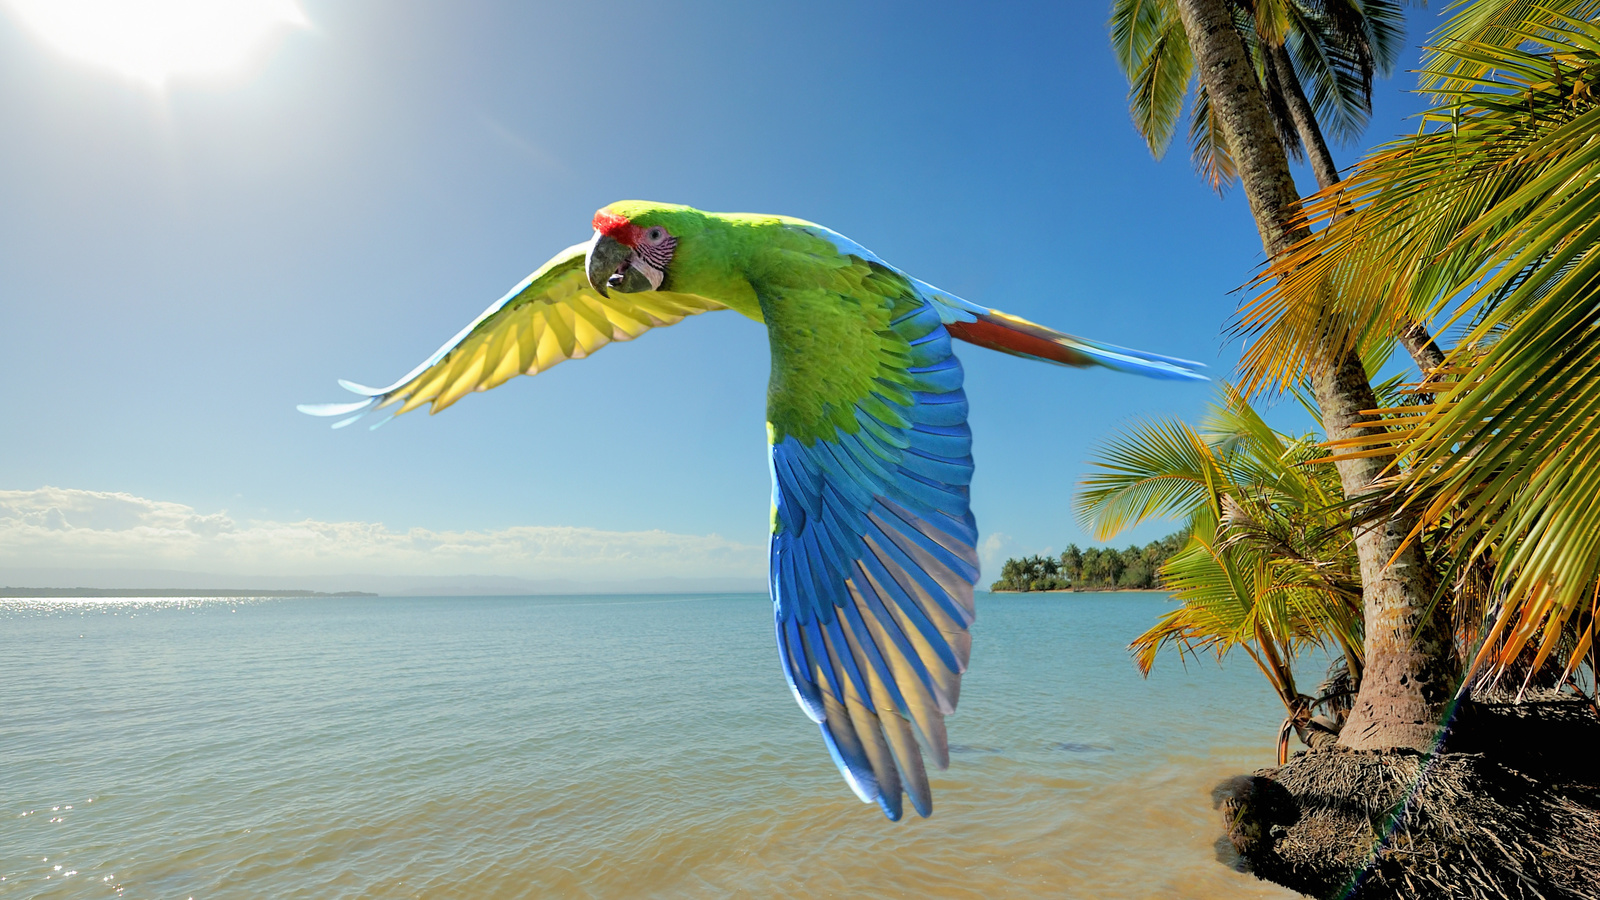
{"x": 872, "y": 561}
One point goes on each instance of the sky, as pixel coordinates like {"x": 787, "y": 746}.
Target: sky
{"x": 185, "y": 261}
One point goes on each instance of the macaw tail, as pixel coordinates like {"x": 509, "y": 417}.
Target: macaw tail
{"x": 1019, "y": 337}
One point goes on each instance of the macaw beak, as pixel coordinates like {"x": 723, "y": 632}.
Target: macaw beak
{"x": 605, "y": 261}
{"x": 610, "y": 265}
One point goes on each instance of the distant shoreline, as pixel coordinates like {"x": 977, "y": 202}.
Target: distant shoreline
{"x": 16, "y": 593}
{"x": 1107, "y": 590}
{"x": 24, "y": 593}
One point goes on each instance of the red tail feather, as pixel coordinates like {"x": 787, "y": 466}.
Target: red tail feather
{"x": 1019, "y": 337}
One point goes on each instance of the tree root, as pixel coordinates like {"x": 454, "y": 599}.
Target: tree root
{"x": 1509, "y": 807}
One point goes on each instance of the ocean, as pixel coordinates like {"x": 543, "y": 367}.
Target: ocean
{"x": 593, "y": 746}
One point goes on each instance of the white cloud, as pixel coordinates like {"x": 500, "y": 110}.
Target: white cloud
{"x": 67, "y": 528}
{"x": 990, "y": 550}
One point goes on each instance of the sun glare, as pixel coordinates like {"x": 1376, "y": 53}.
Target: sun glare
{"x": 154, "y": 40}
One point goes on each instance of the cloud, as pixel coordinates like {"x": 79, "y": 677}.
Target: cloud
{"x": 990, "y": 550}
{"x": 67, "y": 528}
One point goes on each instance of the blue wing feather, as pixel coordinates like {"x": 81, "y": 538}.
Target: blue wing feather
{"x": 876, "y": 540}
{"x": 875, "y": 658}
{"x": 957, "y": 536}
{"x": 947, "y": 471}
{"x": 949, "y": 446}
{"x": 931, "y": 499}
{"x": 863, "y": 574}
{"x": 935, "y": 409}
{"x": 944, "y": 377}
{"x": 795, "y": 668}
{"x": 889, "y": 435}
{"x": 887, "y": 585}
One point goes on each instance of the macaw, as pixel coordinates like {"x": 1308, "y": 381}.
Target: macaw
{"x": 872, "y": 548}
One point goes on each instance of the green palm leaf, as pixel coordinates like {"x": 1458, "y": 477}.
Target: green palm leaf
{"x": 1491, "y": 215}
{"x": 1267, "y": 568}
{"x": 1153, "y": 51}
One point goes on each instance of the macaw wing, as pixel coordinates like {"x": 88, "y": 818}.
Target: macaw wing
{"x": 552, "y": 316}
{"x": 873, "y": 560}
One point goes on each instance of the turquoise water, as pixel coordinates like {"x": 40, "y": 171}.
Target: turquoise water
{"x": 587, "y": 747}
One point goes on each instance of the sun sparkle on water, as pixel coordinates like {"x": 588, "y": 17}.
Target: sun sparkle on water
{"x": 154, "y": 40}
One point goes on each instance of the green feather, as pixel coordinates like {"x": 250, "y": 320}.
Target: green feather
{"x": 827, "y": 313}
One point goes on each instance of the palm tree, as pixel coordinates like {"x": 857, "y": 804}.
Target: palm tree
{"x": 1409, "y": 675}
{"x": 1335, "y": 46}
{"x": 1031, "y": 573}
{"x": 1267, "y": 567}
{"x": 1490, "y": 216}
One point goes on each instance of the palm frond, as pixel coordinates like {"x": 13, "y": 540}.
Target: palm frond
{"x": 1495, "y": 23}
{"x": 1159, "y": 80}
{"x": 1335, "y": 64}
{"x": 1134, "y": 26}
{"x": 1156, "y": 469}
{"x": 1208, "y": 148}
{"x": 1417, "y": 215}
{"x": 1267, "y": 568}
{"x": 1236, "y": 597}
{"x": 1491, "y": 216}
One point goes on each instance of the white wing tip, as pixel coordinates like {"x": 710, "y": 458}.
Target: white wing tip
{"x": 335, "y": 409}
{"x": 361, "y": 389}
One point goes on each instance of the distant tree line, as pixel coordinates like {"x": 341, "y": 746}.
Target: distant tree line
{"x": 1091, "y": 568}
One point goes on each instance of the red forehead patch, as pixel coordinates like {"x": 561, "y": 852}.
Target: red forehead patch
{"x": 618, "y": 228}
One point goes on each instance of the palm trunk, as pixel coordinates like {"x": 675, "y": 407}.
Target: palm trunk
{"x": 1236, "y": 100}
{"x": 1303, "y": 116}
{"x": 1416, "y": 339}
{"x": 1407, "y": 680}
{"x": 1409, "y": 675}
{"x": 1420, "y": 344}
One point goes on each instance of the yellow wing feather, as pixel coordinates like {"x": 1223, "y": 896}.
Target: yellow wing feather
{"x": 559, "y": 320}
{"x": 510, "y": 357}
{"x": 552, "y": 316}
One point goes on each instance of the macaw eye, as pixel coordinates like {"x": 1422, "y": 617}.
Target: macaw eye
{"x": 655, "y": 235}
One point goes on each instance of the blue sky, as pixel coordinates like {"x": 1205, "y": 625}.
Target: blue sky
{"x": 184, "y": 265}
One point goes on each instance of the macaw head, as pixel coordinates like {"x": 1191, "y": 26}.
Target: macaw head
{"x": 632, "y": 247}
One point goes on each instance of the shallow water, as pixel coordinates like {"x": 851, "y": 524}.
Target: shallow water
{"x": 587, "y": 747}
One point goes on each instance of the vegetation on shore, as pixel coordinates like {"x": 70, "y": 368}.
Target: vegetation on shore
{"x": 1437, "y": 533}
{"x": 1090, "y": 569}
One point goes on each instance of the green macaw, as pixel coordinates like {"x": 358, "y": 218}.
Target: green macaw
{"x": 872, "y": 548}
